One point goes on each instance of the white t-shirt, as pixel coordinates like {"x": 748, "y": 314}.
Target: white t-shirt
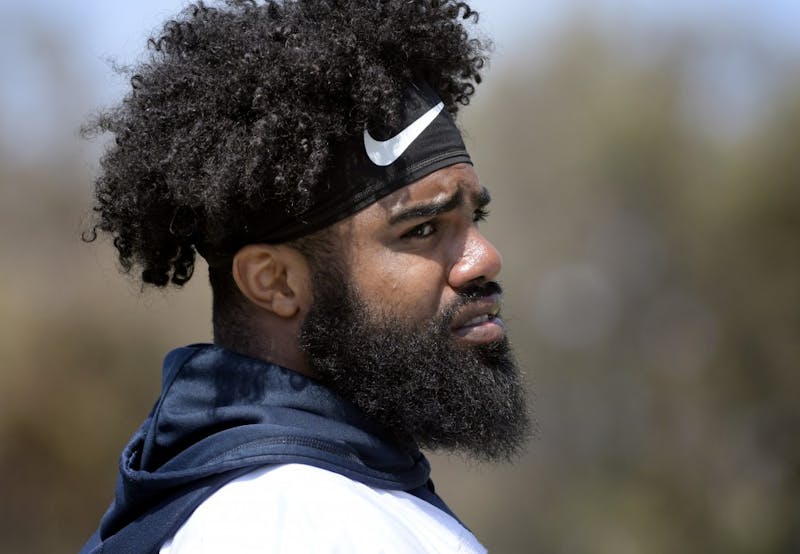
{"x": 295, "y": 508}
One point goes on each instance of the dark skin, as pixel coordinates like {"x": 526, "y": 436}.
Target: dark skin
{"x": 409, "y": 253}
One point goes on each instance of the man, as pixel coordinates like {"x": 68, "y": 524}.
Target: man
{"x": 307, "y": 150}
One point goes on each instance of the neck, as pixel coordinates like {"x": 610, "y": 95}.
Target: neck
{"x": 277, "y": 345}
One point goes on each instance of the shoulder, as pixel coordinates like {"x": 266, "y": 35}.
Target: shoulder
{"x": 299, "y": 508}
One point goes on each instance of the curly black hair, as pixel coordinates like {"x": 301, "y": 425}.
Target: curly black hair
{"x": 239, "y": 109}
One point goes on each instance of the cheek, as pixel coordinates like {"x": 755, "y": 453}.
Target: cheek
{"x": 404, "y": 283}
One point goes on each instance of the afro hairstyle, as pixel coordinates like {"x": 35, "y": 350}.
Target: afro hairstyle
{"x": 239, "y": 107}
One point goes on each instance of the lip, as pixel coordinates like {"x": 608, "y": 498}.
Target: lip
{"x": 478, "y": 321}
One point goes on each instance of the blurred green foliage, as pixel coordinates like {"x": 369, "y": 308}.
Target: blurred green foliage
{"x": 652, "y": 269}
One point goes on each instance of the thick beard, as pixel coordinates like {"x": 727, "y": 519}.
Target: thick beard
{"x": 413, "y": 379}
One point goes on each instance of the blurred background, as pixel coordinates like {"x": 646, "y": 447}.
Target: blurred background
{"x": 643, "y": 158}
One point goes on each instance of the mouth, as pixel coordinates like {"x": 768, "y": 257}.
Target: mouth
{"x": 478, "y": 322}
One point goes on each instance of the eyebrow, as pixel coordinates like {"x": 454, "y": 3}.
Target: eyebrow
{"x": 432, "y": 209}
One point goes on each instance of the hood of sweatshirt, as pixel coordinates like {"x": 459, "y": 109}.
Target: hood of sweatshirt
{"x": 220, "y": 415}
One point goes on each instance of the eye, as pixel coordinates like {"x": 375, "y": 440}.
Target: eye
{"x": 421, "y": 231}
{"x": 480, "y": 215}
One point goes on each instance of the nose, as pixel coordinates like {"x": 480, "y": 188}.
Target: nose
{"x": 480, "y": 262}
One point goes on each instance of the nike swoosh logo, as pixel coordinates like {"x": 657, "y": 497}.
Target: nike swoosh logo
{"x": 386, "y": 152}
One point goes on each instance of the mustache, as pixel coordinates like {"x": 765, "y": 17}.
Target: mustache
{"x": 466, "y": 296}
{"x": 479, "y": 291}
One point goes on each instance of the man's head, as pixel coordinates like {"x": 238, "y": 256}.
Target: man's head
{"x": 306, "y": 149}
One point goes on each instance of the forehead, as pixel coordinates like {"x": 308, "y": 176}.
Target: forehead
{"x": 436, "y": 187}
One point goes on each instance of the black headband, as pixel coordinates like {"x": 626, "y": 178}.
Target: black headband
{"x": 377, "y": 164}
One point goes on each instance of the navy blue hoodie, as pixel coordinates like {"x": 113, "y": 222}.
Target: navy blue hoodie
{"x": 221, "y": 415}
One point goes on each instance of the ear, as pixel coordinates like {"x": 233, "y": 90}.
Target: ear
{"x": 275, "y": 278}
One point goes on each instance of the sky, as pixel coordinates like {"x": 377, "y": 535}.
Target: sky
{"x": 91, "y": 33}
{"x": 106, "y": 29}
